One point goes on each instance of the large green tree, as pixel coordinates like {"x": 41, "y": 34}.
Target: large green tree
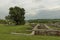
{"x": 16, "y": 14}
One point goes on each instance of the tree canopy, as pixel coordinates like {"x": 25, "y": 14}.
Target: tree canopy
{"x": 16, "y": 14}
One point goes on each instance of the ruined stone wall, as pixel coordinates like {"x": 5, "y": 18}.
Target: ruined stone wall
{"x": 54, "y": 24}
{"x": 43, "y": 29}
{"x": 48, "y": 32}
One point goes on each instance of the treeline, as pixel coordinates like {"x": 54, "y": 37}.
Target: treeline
{"x": 2, "y": 21}
{"x": 43, "y": 20}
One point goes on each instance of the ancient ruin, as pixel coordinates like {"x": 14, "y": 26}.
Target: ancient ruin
{"x": 43, "y": 29}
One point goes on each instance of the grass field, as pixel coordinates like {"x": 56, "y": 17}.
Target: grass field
{"x": 5, "y": 31}
{"x": 53, "y": 27}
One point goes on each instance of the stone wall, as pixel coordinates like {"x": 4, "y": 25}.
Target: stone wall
{"x": 43, "y": 29}
{"x": 47, "y": 32}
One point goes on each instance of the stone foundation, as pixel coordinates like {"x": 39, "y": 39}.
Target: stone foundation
{"x": 47, "y": 32}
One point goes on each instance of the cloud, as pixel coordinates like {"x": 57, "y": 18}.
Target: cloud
{"x": 32, "y": 7}
{"x": 46, "y": 14}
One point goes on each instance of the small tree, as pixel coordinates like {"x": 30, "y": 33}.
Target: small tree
{"x": 16, "y": 14}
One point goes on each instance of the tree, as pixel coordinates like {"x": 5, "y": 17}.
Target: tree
{"x": 2, "y": 21}
{"x": 16, "y": 14}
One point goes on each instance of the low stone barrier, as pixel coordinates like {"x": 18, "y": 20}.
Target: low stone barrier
{"x": 47, "y": 32}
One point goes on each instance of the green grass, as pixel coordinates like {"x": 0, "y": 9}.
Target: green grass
{"x": 53, "y": 27}
{"x": 5, "y": 31}
{"x": 24, "y": 37}
{"x": 18, "y": 29}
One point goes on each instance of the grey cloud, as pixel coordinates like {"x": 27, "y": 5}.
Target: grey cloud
{"x": 45, "y": 14}
{"x": 34, "y": 8}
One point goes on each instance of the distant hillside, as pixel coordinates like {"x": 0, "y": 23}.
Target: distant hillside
{"x": 43, "y": 20}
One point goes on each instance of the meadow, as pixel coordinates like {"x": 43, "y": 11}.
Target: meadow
{"x": 5, "y": 33}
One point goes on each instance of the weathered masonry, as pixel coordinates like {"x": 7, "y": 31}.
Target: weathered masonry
{"x": 47, "y": 32}
{"x": 43, "y": 29}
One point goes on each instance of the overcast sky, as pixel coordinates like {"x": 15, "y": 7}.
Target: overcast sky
{"x": 34, "y": 8}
